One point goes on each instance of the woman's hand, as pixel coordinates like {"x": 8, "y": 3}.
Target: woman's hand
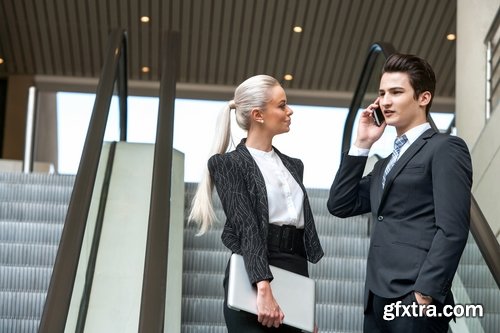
{"x": 268, "y": 310}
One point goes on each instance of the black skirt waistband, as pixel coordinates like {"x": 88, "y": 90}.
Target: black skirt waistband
{"x": 286, "y": 238}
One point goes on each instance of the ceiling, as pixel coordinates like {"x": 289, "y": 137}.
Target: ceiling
{"x": 225, "y": 41}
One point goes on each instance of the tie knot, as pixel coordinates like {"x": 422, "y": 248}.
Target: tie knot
{"x": 399, "y": 142}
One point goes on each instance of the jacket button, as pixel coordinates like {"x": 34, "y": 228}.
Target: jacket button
{"x": 380, "y": 218}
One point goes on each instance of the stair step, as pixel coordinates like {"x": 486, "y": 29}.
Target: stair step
{"x": 203, "y": 328}
{"x": 339, "y": 318}
{"x": 205, "y": 261}
{"x": 208, "y": 241}
{"x": 16, "y": 254}
{"x": 23, "y": 278}
{"x": 35, "y": 193}
{"x": 11, "y": 325}
{"x": 22, "y": 305}
{"x": 199, "y": 310}
{"x": 37, "y": 178}
{"x": 490, "y": 322}
{"x": 330, "y": 291}
{"x": 31, "y": 211}
{"x": 472, "y": 255}
{"x": 205, "y": 285}
{"x": 345, "y": 246}
{"x": 329, "y": 225}
{"x": 476, "y": 276}
{"x": 30, "y": 232}
{"x": 489, "y": 298}
{"x": 332, "y": 268}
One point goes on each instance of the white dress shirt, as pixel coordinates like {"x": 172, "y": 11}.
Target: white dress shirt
{"x": 412, "y": 135}
{"x": 284, "y": 195}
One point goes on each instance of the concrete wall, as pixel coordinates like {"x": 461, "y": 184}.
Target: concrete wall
{"x": 115, "y": 300}
{"x": 46, "y": 129}
{"x": 15, "y": 116}
{"x": 474, "y": 18}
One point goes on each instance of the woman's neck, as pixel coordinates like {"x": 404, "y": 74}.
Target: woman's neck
{"x": 260, "y": 142}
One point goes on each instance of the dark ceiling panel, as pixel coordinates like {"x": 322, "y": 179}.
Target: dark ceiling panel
{"x": 49, "y": 23}
{"x": 132, "y": 19}
{"x": 225, "y": 41}
{"x": 34, "y": 37}
{"x": 264, "y": 33}
{"x": 275, "y": 44}
{"x": 20, "y": 38}
{"x": 404, "y": 23}
{"x": 77, "y": 41}
{"x": 93, "y": 25}
{"x": 332, "y": 59}
{"x": 315, "y": 28}
{"x": 214, "y": 42}
{"x": 83, "y": 24}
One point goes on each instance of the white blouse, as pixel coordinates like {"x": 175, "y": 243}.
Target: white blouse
{"x": 284, "y": 195}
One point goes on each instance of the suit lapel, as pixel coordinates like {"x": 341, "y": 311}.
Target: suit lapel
{"x": 254, "y": 174}
{"x": 377, "y": 179}
{"x": 402, "y": 162}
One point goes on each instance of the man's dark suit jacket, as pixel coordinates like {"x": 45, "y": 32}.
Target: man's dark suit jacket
{"x": 421, "y": 217}
{"x": 242, "y": 191}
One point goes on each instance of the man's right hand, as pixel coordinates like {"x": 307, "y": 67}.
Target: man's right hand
{"x": 368, "y": 131}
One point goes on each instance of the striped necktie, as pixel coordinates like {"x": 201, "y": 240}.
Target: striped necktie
{"x": 398, "y": 143}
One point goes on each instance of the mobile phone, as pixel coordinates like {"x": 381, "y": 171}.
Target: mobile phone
{"x": 378, "y": 116}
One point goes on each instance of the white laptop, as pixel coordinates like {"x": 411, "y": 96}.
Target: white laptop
{"x": 294, "y": 293}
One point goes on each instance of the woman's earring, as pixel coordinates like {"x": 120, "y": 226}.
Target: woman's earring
{"x": 261, "y": 121}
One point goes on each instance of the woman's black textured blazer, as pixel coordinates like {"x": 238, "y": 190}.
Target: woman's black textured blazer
{"x": 242, "y": 191}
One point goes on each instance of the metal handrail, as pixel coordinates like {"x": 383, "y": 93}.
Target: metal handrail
{"x": 96, "y": 239}
{"x": 65, "y": 267}
{"x": 152, "y": 313}
{"x": 374, "y": 51}
{"x": 479, "y": 227}
{"x": 485, "y": 240}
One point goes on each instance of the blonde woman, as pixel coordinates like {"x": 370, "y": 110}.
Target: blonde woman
{"x": 262, "y": 194}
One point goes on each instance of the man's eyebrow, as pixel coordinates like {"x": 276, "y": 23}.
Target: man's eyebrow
{"x": 391, "y": 88}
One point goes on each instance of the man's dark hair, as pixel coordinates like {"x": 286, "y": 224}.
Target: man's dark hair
{"x": 420, "y": 73}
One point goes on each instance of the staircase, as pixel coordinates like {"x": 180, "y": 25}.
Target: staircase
{"x": 339, "y": 275}
{"x": 32, "y": 212}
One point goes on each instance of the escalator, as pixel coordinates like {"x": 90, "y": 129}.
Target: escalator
{"x": 110, "y": 272}
{"x": 70, "y": 303}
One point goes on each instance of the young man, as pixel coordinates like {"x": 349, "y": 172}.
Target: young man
{"x": 419, "y": 197}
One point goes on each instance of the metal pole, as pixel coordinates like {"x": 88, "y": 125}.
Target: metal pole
{"x": 30, "y": 130}
{"x": 152, "y": 315}
{"x": 488, "y": 79}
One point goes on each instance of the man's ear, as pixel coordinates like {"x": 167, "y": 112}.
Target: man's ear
{"x": 424, "y": 98}
{"x": 256, "y": 115}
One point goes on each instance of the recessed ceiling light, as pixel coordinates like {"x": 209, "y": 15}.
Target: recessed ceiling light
{"x": 451, "y": 37}
{"x": 144, "y": 19}
{"x": 288, "y": 77}
{"x": 297, "y": 29}
{"x": 145, "y": 69}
